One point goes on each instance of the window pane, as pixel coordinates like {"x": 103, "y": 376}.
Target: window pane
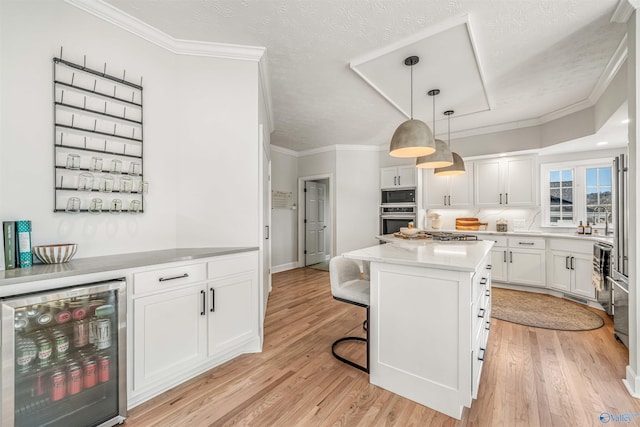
{"x": 592, "y": 176}
{"x": 554, "y": 209}
{"x": 605, "y": 176}
{"x": 567, "y": 195}
{"x": 554, "y": 219}
{"x": 567, "y": 209}
{"x": 605, "y": 196}
{"x": 592, "y": 195}
{"x": 567, "y": 176}
{"x": 554, "y": 196}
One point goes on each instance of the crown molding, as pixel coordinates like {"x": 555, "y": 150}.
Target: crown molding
{"x": 623, "y": 11}
{"x": 265, "y": 86}
{"x": 145, "y": 31}
{"x": 285, "y": 151}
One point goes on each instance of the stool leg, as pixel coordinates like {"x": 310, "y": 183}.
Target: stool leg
{"x": 366, "y": 340}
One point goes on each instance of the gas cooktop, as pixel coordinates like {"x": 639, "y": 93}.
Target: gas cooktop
{"x": 446, "y": 236}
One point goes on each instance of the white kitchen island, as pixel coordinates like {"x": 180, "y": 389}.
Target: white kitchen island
{"x": 429, "y": 319}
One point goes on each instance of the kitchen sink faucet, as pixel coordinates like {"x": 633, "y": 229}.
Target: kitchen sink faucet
{"x": 606, "y": 218}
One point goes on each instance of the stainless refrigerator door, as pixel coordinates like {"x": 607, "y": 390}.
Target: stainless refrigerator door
{"x": 621, "y": 215}
{"x": 27, "y": 389}
{"x": 621, "y": 310}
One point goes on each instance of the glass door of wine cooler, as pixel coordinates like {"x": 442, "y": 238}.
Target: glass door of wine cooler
{"x": 63, "y": 357}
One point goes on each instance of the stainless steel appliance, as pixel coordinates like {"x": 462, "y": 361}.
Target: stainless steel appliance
{"x": 620, "y": 267}
{"x": 406, "y": 196}
{"x": 601, "y": 270}
{"x": 63, "y": 357}
{"x": 394, "y": 217}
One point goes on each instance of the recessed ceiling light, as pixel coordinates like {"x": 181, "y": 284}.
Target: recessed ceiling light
{"x": 625, "y": 121}
{"x": 602, "y": 143}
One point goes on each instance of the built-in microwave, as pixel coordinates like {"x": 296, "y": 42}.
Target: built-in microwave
{"x": 398, "y": 196}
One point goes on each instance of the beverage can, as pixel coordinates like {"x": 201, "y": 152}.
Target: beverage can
{"x": 39, "y": 384}
{"x": 80, "y": 333}
{"x": 26, "y": 353}
{"x": 103, "y": 338}
{"x": 58, "y": 385}
{"x": 61, "y": 345}
{"x": 74, "y": 379}
{"x": 93, "y": 330}
{"x": 90, "y": 373}
{"x": 104, "y": 368}
{"x": 45, "y": 351}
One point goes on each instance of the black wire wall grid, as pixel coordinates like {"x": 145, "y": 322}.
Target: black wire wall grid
{"x": 98, "y": 139}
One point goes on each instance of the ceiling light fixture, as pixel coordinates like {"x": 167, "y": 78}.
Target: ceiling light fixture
{"x": 442, "y": 156}
{"x": 625, "y": 121}
{"x": 602, "y": 143}
{"x": 457, "y": 168}
{"x": 412, "y": 138}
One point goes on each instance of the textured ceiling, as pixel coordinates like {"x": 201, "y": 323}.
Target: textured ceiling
{"x": 536, "y": 56}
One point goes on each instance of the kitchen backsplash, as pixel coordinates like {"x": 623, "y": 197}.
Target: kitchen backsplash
{"x": 517, "y": 219}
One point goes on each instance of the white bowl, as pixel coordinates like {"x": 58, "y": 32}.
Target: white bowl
{"x": 409, "y": 231}
{"x": 55, "y": 254}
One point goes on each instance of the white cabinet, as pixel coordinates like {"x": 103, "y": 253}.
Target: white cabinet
{"x": 518, "y": 260}
{"x": 190, "y": 317}
{"x": 398, "y": 177}
{"x": 570, "y": 267}
{"x": 448, "y": 191}
{"x": 505, "y": 182}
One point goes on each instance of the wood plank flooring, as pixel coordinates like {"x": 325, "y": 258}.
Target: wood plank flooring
{"x": 531, "y": 377}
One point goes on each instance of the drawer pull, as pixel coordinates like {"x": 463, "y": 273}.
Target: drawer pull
{"x": 526, "y": 243}
{"x": 481, "y": 312}
{"x": 488, "y": 266}
{"x": 488, "y": 326}
{"x": 204, "y": 303}
{"x": 487, "y": 292}
{"x": 166, "y": 279}
{"x": 481, "y": 357}
{"x": 483, "y": 281}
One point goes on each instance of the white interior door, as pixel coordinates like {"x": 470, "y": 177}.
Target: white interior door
{"x": 315, "y": 222}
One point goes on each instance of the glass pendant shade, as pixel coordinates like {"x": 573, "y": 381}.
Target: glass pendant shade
{"x": 413, "y": 138}
{"x": 457, "y": 168}
{"x": 439, "y": 159}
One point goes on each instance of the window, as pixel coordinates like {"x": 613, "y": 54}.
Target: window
{"x": 576, "y": 192}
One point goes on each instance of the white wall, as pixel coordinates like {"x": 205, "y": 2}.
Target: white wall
{"x": 31, "y": 34}
{"x": 357, "y": 199}
{"x": 217, "y": 153}
{"x": 284, "y": 222}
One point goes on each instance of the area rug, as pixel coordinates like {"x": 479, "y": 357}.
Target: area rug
{"x": 541, "y": 311}
{"x": 324, "y": 266}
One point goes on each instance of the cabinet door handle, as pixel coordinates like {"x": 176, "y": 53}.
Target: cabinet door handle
{"x": 500, "y": 198}
{"x": 481, "y": 358}
{"x": 526, "y": 243}
{"x": 395, "y": 180}
{"x": 213, "y": 300}
{"x": 504, "y": 256}
{"x": 449, "y": 199}
{"x": 566, "y": 263}
{"x": 398, "y": 179}
{"x": 166, "y": 279}
{"x": 267, "y": 232}
{"x": 444, "y": 202}
{"x": 506, "y": 198}
{"x": 572, "y": 263}
{"x": 481, "y": 312}
{"x": 511, "y": 257}
{"x": 204, "y": 303}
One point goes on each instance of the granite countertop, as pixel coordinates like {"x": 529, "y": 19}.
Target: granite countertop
{"x": 107, "y": 263}
{"x": 456, "y": 255}
{"x": 541, "y": 233}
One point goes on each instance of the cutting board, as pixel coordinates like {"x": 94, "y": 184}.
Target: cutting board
{"x": 470, "y": 224}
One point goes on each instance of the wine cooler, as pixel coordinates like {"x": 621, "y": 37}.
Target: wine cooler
{"x": 63, "y": 357}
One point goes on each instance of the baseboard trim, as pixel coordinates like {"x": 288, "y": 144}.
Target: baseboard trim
{"x": 284, "y": 267}
{"x": 632, "y": 382}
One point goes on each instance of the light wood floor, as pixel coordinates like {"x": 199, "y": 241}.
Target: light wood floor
{"x": 531, "y": 377}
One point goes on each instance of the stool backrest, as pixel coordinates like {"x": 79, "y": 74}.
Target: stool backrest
{"x": 341, "y": 271}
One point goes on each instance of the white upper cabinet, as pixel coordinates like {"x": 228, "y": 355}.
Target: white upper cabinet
{"x": 505, "y": 182}
{"x": 398, "y": 177}
{"x": 449, "y": 191}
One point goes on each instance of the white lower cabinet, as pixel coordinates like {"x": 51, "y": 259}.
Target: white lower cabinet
{"x": 571, "y": 265}
{"x": 517, "y": 260}
{"x": 191, "y": 317}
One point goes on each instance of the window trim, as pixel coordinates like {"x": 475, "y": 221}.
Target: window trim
{"x": 579, "y": 189}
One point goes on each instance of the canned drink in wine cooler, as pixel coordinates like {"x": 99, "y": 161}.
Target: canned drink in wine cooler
{"x": 58, "y": 385}
{"x": 80, "y": 333}
{"x": 78, "y": 310}
{"x": 74, "y": 379}
{"x": 45, "y": 352}
{"x": 26, "y": 354}
{"x": 104, "y": 368}
{"x": 39, "y": 384}
{"x": 61, "y": 345}
{"x": 103, "y": 329}
{"x": 90, "y": 373}
{"x": 93, "y": 331}
{"x": 60, "y": 312}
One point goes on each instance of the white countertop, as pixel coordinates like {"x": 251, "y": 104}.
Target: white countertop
{"x": 458, "y": 256}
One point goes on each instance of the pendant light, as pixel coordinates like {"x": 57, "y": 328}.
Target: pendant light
{"x": 412, "y": 138}
{"x": 442, "y": 156}
{"x": 457, "y": 168}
